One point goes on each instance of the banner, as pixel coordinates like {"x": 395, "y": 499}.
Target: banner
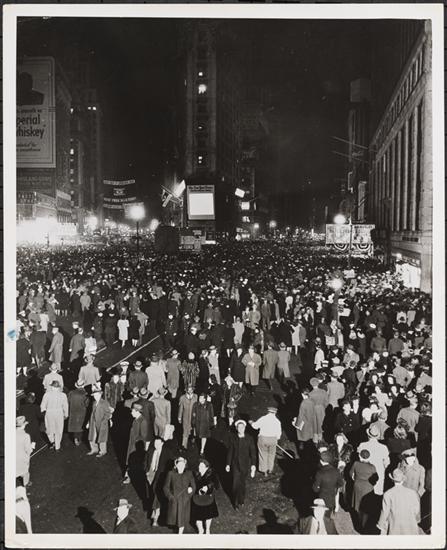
{"x": 200, "y": 200}
{"x": 341, "y": 234}
{"x": 119, "y": 193}
{"x": 36, "y": 113}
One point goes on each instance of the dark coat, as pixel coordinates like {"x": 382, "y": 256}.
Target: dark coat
{"x": 237, "y": 368}
{"x": 124, "y": 527}
{"x": 327, "y": 480}
{"x": 241, "y": 454}
{"x": 99, "y": 421}
{"x": 364, "y": 475}
{"x": 77, "y": 407}
{"x": 179, "y": 500}
{"x": 202, "y": 419}
{"x": 138, "y": 432}
{"x": 149, "y": 414}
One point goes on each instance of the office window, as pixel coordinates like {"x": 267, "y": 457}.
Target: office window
{"x": 410, "y": 170}
{"x": 419, "y": 168}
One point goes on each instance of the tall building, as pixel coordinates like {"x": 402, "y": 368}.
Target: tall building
{"x": 210, "y": 135}
{"x": 400, "y": 194}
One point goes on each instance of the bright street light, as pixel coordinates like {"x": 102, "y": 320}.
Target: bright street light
{"x": 256, "y": 226}
{"x": 336, "y": 284}
{"x": 239, "y": 193}
{"x": 153, "y": 225}
{"x": 272, "y": 224}
{"x": 137, "y": 212}
{"x": 340, "y": 219}
{"x": 92, "y": 222}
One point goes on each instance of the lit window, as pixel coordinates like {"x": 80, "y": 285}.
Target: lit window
{"x": 202, "y": 89}
{"x": 94, "y": 108}
{"x": 246, "y": 219}
{"x": 72, "y": 151}
{"x": 201, "y": 73}
{"x": 71, "y": 110}
{"x": 71, "y": 170}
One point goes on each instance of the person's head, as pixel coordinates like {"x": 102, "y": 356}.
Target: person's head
{"x": 123, "y": 508}
{"x": 180, "y": 464}
{"x": 191, "y": 356}
{"x": 319, "y": 509}
{"x": 138, "y": 365}
{"x": 364, "y": 455}
{"x": 346, "y": 407}
{"x": 400, "y": 432}
{"x": 325, "y": 457}
{"x": 204, "y": 466}
{"x": 55, "y": 330}
{"x": 341, "y": 439}
{"x": 202, "y": 398}
{"x": 305, "y": 393}
{"x": 398, "y": 476}
{"x": 409, "y": 456}
{"x": 136, "y": 410}
{"x": 158, "y": 443}
{"x": 240, "y": 427}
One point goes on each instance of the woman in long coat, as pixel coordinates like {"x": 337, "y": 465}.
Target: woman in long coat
{"x": 77, "y": 407}
{"x": 204, "y": 508}
{"x": 364, "y": 474}
{"x": 306, "y": 422}
{"x": 178, "y": 489}
{"x": 236, "y": 367}
{"x": 202, "y": 420}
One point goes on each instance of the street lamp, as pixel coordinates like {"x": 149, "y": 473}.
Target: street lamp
{"x": 340, "y": 219}
{"x": 272, "y": 224}
{"x": 137, "y": 213}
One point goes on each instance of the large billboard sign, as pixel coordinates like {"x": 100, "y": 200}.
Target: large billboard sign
{"x": 200, "y": 200}
{"x": 341, "y": 234}
{"x": 36, "y": 113}
{"x": 117, "y": 194}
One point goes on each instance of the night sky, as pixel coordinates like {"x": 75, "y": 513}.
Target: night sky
{"x": 305, "y": 66}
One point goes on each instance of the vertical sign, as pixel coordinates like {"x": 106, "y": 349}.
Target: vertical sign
{"x": 36, "y": 113}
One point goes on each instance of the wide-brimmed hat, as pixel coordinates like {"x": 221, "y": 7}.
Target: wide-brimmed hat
{"x": 138, "y": 364}
{"x": 319, "y": 503}
{"x": 162, "y": 391}
{"x": 212, "y": 348}
{"x": 143, "y": 392}
{"x": 373, "y": 431}
{"x": 180, "y": 459}
{"x": 240, "y": 421}
{"x": 409, "y": 452}
{"x": 282, "y": 345}
{"x": 174, "y": 352}
{"x": 273, "y": 410}
{"x": 123, "y": 502}
{"x": 79, "y": 383}
{"x": 96, "y": 388}
{"x": 397, "y": 476}
{"x": 21, "y": 421}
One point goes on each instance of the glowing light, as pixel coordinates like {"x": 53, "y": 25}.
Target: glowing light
{"x": 92, "y": 222}
{"x": 137, "y": 212}
{"x": 245, "y": 206}
{"x": 44, "y": 231}
{"x": 339, "y": 219}
{"x": 336, "y": 284}
{"x": 272, "y": 224}
{"x": 202, "y": 89}
{"x": 256, "y": 226}
{"x": 179, "y": 189}
{"x": 154, "y": 224}
{"x": 239, "y": 193}
{"x": 398, "y": 256}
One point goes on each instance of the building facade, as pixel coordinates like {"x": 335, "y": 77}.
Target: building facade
{"x": 400, "y": 193}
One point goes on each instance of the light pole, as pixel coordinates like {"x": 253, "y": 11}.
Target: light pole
{"x": 137, "y": 213}
{"x": 340, "y": 219}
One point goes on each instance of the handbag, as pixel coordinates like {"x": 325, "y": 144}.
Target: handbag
{"x": 202, "y": 500}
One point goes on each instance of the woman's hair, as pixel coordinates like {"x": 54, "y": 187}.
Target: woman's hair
{"x": 400, "y": 432}
{"x": 204, "y": 461}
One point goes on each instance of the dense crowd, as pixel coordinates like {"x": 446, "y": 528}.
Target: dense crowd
{"x": 351, "y": 350}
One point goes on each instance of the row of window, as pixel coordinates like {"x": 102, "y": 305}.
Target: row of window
{"x": 397, "y": 178}
{"x": 409, "y": 84}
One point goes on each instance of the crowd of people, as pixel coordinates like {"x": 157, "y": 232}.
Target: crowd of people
{"x": 345, "y": 355}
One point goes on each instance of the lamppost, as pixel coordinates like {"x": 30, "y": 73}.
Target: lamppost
{"x": 340, "y": 219}
{"x": 137, "y": 213}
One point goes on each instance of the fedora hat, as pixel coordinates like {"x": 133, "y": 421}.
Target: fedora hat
{"x": 314, "y": 381}
{"x": 123, "y": 502}
{"x": 319, "y": 503}
{"x": 373, "y": 431}
{"x": 397, "y": 476}
{"x": 240, "y": 421}
{"x": 79, "y": 383}
{"x": 21, "y": 421}
{"x": 273, "y": 410}
{"x": 96, "y": 388}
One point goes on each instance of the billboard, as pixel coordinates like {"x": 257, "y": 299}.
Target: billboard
{"x": 118, "y": 193}
{"x": 36, "y": 113}
{"x": 200, "y": 199}
{"x": 341, "y": 234}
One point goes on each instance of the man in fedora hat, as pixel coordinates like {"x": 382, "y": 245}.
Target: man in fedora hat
{"x": 319, "y": 523}
{"x": 55, "y": 406}
{"x": 138, "y": 378}
{"x": 98, "y": 426}
{"x": 89, "y": 373}
{"x": 162, "y": 409}
{"x": 270, "y": 360}
{"x": 241, "y": 460}
{"x": 270, "y": 432}
{"x": 320, "y": 400}
{"x": 328, "y": 481}
{"x": 24, "y": 448}
{"x": 124, "y": 523}
{"x": 379, "y": 456}
{"x": 138, "y": 432}
{"x": 186, "y": 404}
{"x": 401, "y": 510}
{"x": 414, "y": 472}
{"x": 77, "y": 406}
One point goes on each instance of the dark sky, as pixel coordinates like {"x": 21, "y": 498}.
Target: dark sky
{"x": 305, "y": 65}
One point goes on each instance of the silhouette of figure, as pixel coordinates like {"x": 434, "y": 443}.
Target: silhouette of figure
{"x": 89, "y": 525}
{"x": 271, "y": 525}
{"x": 26, "y": 95}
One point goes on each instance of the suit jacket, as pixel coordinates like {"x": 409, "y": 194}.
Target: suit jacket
{"x": 126, "y": 526}
{"x": 241, "y": 453}
{"x": 304, "y": 525}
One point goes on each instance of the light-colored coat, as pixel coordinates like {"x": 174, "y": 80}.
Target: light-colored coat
{"x": 23, "y": 452}
{"x": 252, "y": 365}
{"x": 99, "y": 421}
{"x": 401, "y": 512}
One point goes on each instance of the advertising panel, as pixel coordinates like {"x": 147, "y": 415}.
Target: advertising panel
{"x": 119, "y": 193}
{"x": 341, "y": 234}
{"x": 200, "y": 199}
{"x": 36, "y": 113}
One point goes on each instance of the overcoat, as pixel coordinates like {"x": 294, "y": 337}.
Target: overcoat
{"x": 252, "y": 371}
{"x": 179, "y": 500}
{"x": 362, "y": 473}
{"x": 99, "y": 421}
{"x": 320, "y": 400}
{"x": 23, "y": 452}
{"x": 56, "y": 348}
{"x": 307, "y": 415}
{"x": 270, "y": 362}
{"x": 237, "y": 368}
{"x": 138, "y": 432}
{"x": 401, "y": 511}
{"x": 202, "y": 418}
{"x": 77, "y": 407}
